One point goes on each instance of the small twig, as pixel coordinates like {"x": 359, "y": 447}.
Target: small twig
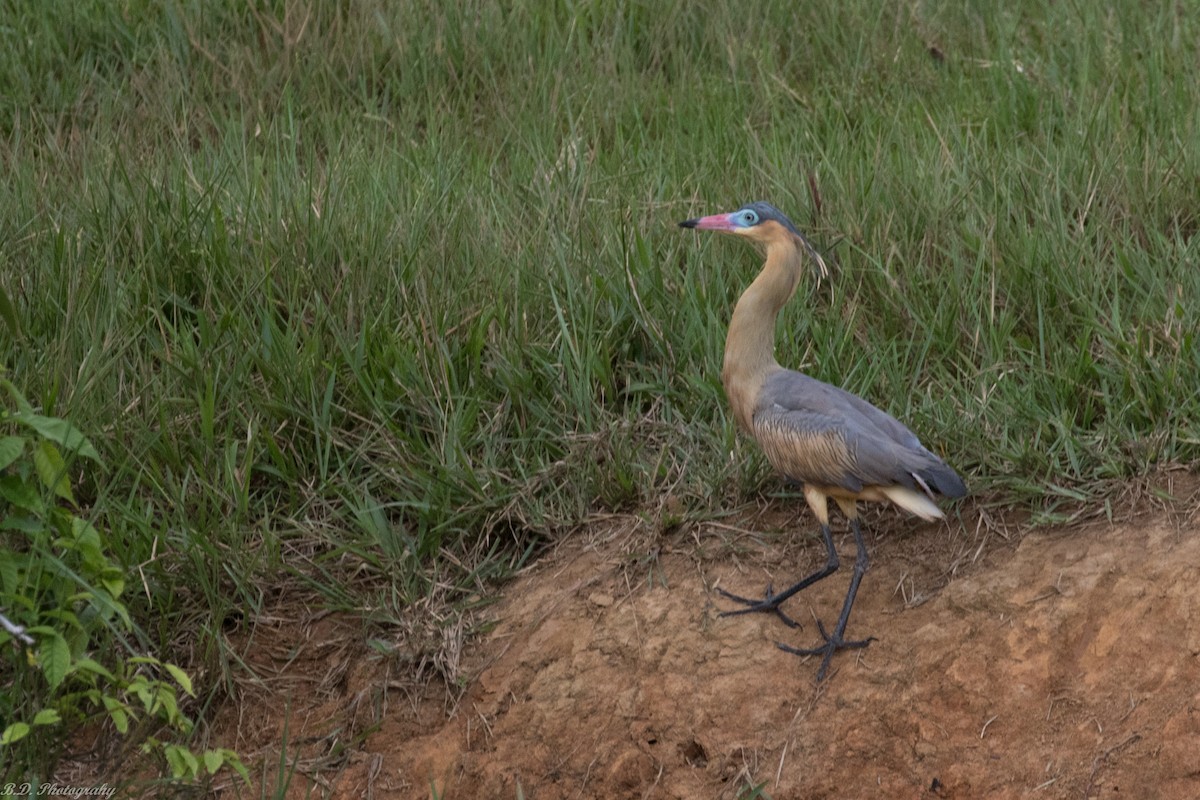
{"x": 782, "y": 758}
{"x": 1051, "y": 592}
{"x": 657, "y": 778}
{"x": 1133, "y": 704}
{"x": 983, "y": 732}
{"x": 17, "y": 631}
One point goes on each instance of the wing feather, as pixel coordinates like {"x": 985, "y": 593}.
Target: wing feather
{"x": 817, "y": 433}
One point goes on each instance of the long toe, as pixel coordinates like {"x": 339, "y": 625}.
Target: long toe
{"x": 831, "y": 645}
{"x": 769, "y": 604}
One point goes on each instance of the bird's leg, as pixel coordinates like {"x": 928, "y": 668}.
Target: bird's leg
{"x": 836, "y": 642}
{"x": 771, "y": 601}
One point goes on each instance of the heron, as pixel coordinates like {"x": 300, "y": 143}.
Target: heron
{"x": 834, "y": 443}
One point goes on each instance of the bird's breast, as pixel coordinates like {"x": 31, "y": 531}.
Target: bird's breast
{"x": 820, "y": 457}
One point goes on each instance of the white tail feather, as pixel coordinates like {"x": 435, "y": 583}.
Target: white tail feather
{"x": 913, "y": 502}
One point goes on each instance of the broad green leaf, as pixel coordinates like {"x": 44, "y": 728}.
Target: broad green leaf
{"x": 166, "y": 704}
{"x": 85, "y": 532}
{"x": 14, "y": 733}
{"x": 181, "y": 678}
{"x": 113, "y": 585}
{"x": 140, "y": 687}
{"x": 118, "y": 712}
{"x": 47, "y": 716}
{"x": 87, "y": 540}
{"x": 41, "y": 630}
{"x": 64, "y": 615}
{"x": 78, "y": 640}
{"x": 21, "y": 494}
{"x": 60, "y": 432}
{"x": 52, "y": 469}
{"x": 213, "y": 759}
{"x": 183, "y": 763}
{"x": 55, "y": 658}
{"x": 232, "y": 759}
{"x": 11, "y": 448}
{"x": 88, "y": 665}
{"x": 27, "y": 524}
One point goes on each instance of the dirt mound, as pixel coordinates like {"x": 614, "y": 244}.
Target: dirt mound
{"x": 1067, "y": 665}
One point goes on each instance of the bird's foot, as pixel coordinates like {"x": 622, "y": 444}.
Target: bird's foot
{"x": 769, "y": 604}
{"x": 832, "y": 645}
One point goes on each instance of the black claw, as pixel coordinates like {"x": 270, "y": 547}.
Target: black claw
{"x": 769, "y": 604}
{"x": 832, "y": 645}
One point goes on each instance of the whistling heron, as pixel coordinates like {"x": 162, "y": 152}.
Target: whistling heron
{"x": 835, "y": 443}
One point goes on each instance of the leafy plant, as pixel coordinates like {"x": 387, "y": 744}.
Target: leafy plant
{"x": 69, "y": 646}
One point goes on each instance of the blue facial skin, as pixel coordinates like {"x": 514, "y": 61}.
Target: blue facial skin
{"x": 746, "y": 217}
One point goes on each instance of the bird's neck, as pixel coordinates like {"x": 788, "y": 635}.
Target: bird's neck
{"x": 750, "y": 344}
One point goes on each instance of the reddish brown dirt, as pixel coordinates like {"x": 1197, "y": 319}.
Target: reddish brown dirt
{"x": 1062, "y": 664}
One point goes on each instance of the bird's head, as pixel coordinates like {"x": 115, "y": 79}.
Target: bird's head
{"x": 763, "y": 224}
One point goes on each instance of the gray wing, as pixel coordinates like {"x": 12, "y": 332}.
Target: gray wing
{"x": 817, "y": 433}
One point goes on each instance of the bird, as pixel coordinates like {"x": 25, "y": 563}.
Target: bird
{"x": 834, "y": 443}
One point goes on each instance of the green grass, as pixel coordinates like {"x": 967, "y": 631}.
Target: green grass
{"x": 341, "y": 288}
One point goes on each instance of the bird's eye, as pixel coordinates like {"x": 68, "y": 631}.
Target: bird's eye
{"x": 749, "y": 217}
